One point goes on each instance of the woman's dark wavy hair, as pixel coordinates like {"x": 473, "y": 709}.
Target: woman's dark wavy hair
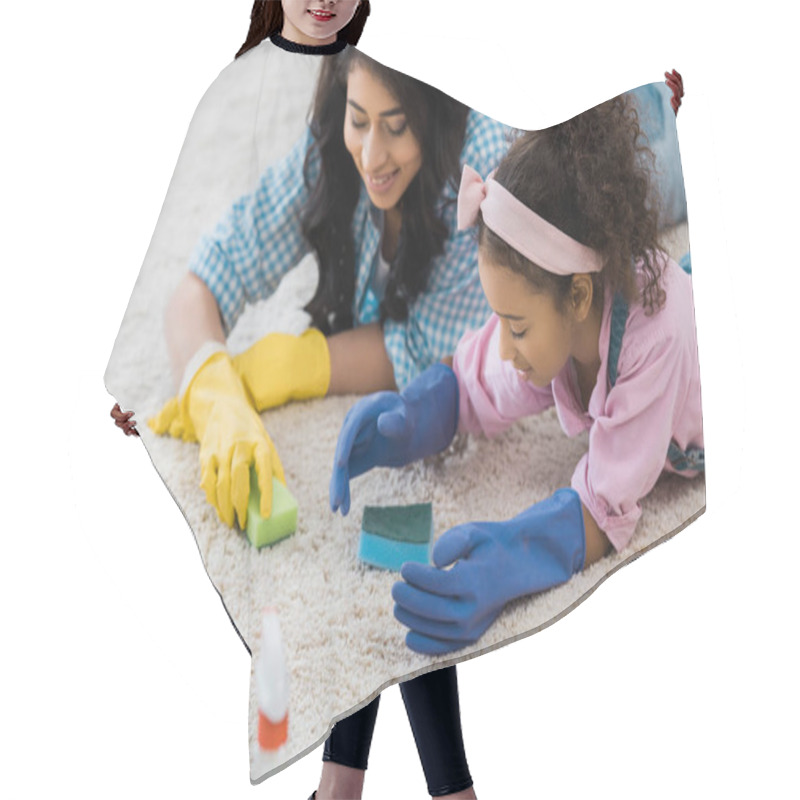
{"x": 439, "y": 124}
{"x": 266, "y": 18}
{"x": 591, "y": 178}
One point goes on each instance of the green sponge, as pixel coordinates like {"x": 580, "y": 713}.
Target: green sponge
{"x": 392, "y": 535}
{"x": 280, "y": 524}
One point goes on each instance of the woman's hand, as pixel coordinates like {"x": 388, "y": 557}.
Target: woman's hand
{"x": 215, "y": 411}
{"x": 281, "y": 367}
{"x": 494, "y": 562}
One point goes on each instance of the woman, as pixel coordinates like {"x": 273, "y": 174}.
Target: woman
{"x": 370, "y": 188}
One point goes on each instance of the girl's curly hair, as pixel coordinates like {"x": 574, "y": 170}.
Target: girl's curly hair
{"x": 591, "y": 178}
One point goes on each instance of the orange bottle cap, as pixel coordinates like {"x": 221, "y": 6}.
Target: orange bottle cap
{"x": 272, "y": 735}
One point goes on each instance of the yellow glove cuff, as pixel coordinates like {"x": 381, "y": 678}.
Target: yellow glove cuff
{"x": 215, "y": 379}
{"x": 281, "y": 367}
{"x": 174, "y": 417}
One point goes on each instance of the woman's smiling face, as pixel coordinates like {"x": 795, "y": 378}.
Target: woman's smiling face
{"x": 315, "y": 22}
{"x": 386, "y": 153}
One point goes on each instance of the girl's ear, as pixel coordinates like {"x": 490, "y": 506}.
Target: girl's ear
{"x": 580, "y": 296}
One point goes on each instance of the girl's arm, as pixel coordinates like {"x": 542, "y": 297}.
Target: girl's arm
{"x": 655, "y": 396}
{"x": 359, "y": 361}
{"x": 597, "y": 543}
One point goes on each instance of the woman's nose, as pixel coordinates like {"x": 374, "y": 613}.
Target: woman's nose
{"x": 373, "y": 152}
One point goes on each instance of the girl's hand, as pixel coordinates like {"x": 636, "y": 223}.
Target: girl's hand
{"x": 388, "y": 429}
{"x": 495, "y": 562}
{"x": 378, "y": 431}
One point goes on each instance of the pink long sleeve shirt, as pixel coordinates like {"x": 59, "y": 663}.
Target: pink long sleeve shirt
{"x": 655, "y": 400}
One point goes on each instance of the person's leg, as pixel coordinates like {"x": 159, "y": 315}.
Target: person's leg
{"x": 433, "y": 711}
{"x": 345, "y": 755}
{"x": 657, "y": 120}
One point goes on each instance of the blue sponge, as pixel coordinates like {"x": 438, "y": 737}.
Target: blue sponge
{"x": 392, "y": 535}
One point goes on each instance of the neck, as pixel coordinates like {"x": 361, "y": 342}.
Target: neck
{"x": 586, "y": 340}
{"x": 298, "y": 37}
{"x": 392, "y": 222}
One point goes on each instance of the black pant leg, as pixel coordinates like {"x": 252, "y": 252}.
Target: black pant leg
{"x": 433, "y": 711}
{"x": 351, "y": 738}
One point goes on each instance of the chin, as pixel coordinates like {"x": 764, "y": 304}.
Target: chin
{"x": 384, "y": 202}
{"x": 537, "y": 381}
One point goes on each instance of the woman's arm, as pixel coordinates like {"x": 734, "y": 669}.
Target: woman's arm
{"x": 359, "y": 361}
{"x": 243, "y": 259}
{"x": 191, "y": 320}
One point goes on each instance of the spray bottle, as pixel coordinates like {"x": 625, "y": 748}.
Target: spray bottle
{"x": 272, "y": 685}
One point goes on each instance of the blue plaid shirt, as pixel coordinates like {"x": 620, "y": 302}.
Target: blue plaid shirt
{"x": 260, "y": 240}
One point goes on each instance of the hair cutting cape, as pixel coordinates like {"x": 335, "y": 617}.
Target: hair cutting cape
{"x": 341, "y": 642}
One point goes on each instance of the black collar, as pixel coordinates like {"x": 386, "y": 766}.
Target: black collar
{"x": 308, "y": 49}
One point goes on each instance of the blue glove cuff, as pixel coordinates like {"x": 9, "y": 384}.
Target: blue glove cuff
{"x": 433, "y": 399}
{"x": 572, "y": 506}
{"x": 556, "y": 524}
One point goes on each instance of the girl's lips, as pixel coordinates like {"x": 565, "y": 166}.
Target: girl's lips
{"x": 381, "y": 183}
{"x": 322, "y": 16}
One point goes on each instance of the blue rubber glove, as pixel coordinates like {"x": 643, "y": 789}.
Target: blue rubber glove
{"x": 495, "y": 562}
{"x": 388, "y": 429}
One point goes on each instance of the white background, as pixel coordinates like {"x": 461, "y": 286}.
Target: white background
{"x": 121, "y": 674}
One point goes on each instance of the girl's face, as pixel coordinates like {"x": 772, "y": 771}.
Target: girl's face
{"x": 386, "y": 153}
{"x": 534, "y": 335}
{"x": 315, "y": 22}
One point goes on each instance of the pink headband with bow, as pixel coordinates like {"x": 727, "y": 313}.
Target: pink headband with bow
{"x": 529, "y": 234}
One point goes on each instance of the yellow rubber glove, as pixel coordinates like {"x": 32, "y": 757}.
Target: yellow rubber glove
{"x": 216, "y": 411}
{"x": 281, "y": 367}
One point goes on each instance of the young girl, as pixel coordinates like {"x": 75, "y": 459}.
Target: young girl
{"x": 590, "y": 316}
{"x": 306, "y": 23}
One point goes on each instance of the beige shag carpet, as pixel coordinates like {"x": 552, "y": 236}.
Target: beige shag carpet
{"x": 342, "y": 642}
